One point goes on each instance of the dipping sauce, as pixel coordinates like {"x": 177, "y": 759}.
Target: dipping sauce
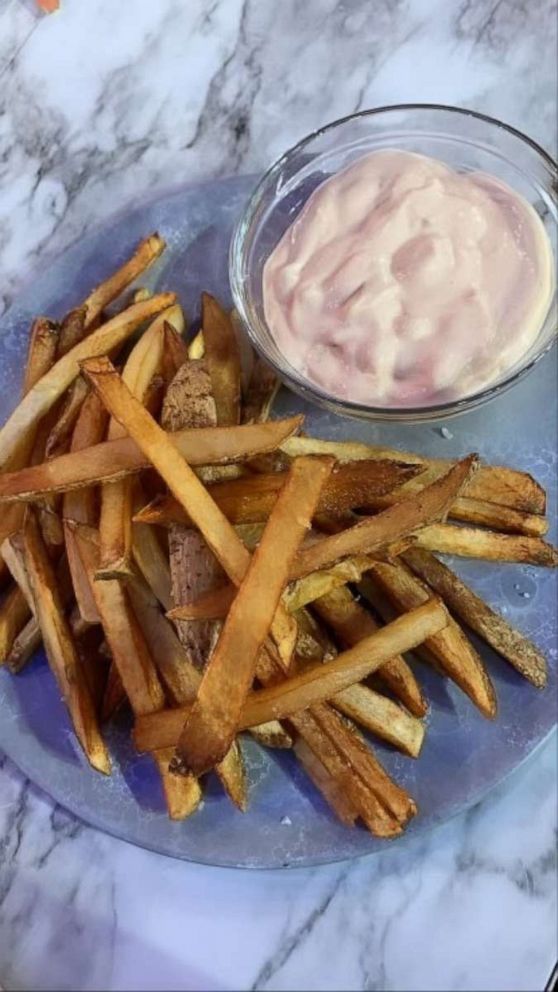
{"x": 404, "y": 283}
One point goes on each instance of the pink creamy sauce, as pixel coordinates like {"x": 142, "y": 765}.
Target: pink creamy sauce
{"x": 404, "y": 283}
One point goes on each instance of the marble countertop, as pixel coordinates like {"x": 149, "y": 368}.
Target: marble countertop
{"x": 102, "y": 103}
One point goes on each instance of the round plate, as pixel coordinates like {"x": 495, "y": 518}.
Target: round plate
{"x": 287, "y": 823}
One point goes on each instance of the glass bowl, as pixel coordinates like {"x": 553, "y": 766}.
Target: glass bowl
{"x": 466, "y": 141}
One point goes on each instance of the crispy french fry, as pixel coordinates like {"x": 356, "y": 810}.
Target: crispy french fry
{"x": 175, "y": 349}
{"x": 472, "y": 542}
{"x": 486, "y": 622}
{"x": 380, "y": 715}
{"x": 80, "y": 505}
{"x": 117, "y": 459}
{"x": 60, "y": 646}
{"x": 351, "y": 622}
{"x": 24, "y": 646}
{"x": 223, "y": 360}
{"x": 145, "y": 254}
{"x": 475, "y": 511}
{"x": 59, "y": 436}
{"x": 72, "y": 331}
{"x": 450, "y": 647}
{"x": 495, "y": 483}
{"x": 41, "y": 352}
{"x": 14, "y": 615}
{"x": 182, "y": 795}
{"x": 182, "y": 481}
{"x": 210, "y": 727}
{"x": 323, "y": 682}
{"x": 273, "y": 735}
{"x": 39, "y": 400}
{"x": 251, "y": 498}
{"x": 182, "y": 680}
{"x": 397, "y": 522}
{"x": 326, "y": 784}
{"x": 12, "y": 553}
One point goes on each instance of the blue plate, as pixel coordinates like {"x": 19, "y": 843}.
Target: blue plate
{"x": 287, "y": 824}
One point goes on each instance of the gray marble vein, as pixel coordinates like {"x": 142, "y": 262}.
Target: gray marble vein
{"x": 100, "y": 104}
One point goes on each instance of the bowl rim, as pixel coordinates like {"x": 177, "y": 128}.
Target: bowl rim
{"x": 305, "y": 386}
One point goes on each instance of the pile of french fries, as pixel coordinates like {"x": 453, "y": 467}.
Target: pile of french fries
{"x": 177, "y": 551}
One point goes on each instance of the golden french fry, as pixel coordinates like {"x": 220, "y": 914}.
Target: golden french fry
{"x": 24, "y": 646}
{"x": 117, "y": 459}
{"x": 351, "y": 622}
{"x": 223, "y": 360}
{"x": 380, "y": 715}
{"x": 14, "y": 615}
{"x": 486, "y": 622}
{"x": 251, "y": 498}
{"x": 475, "y": 511}
{"x": 39, "y": 400}
{"x": 182, "y": 795}
{"x": 152, "y": 563}
{"x": 175, "y": 349}
{"x": 196, "y": 348}
{"x": 452, "y": 650}
{"x": 145, "y": 254}
{"x": 326, "y": 784}
{"x": 211, "y": 725}
{"x": 41, "y": 351}
{"x": 372, "y": 534}
{"x": 495, "y": 483}
{"x": 472, "y": 542}
{"x": 72, "y": 330}
{"x": 60, "y": 647}
{"x": 59, "y": 436}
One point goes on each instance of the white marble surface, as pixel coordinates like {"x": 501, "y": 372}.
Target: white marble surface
{"x": 105, "y": 102}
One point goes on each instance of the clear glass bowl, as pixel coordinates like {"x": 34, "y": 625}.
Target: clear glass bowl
{"x": 466, "y": 141}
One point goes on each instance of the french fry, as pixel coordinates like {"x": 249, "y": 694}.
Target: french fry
{"x": 351, "y": 622}
{"x": 145, "y": 254}
{"x": 175, "y": 349}
{"x": 450, "y": 647}
{"x": 80, "y": 505}
{"x": 72, "y": 330}
{"x": 116, "y": 459}
{"x": 211, "y": 725}
{"x": 222, "y": 359}
{"x": 380, "y": 715}
{"x": 41, "y": 353}
{"x": 475, "y": 511}
{"x": 494, "y": 483}
{"x": 472, "y": 542}
{"x": 397, "y": 522}
{"x": 273, "y": 735}
{"x": 251, "y": 498}
{"x": 182, "y": 795}
{"x": 14, "y": 615}
{"x": 59, "y": 436}
{"x": 152, "y": 563}
{"x": 12, "y": 553}
{"x": 60, "y": 647}
{"x": 24, "y": 646}
{"x": 486, "y": 622}
{"x": 115, "y": 527}
{"x": 182, "y": 481}
{"x": 326, "y": 784}
{"x": 22, "y": 423}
